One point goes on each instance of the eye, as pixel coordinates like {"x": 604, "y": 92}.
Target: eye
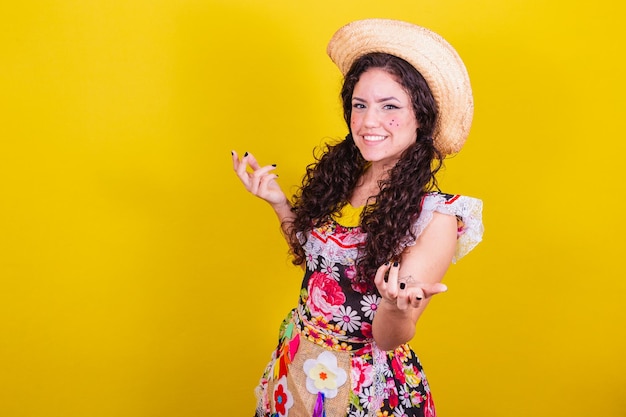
{"x": 390, "y": 107}
{"x": 358, "y": 106}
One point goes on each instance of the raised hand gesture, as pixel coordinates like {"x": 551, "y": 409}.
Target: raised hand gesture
{"x": 259, "y": 181}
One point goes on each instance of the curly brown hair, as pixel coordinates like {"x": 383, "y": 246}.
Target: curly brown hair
{"x": 331, "y": 179}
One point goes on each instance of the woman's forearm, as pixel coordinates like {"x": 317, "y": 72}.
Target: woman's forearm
{"x": 391, "y": 326}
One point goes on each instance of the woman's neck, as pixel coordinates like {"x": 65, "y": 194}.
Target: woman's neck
{"x": 367, "y": 186}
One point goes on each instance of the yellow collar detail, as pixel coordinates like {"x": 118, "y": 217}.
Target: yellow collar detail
{"x": 349, "y": 216}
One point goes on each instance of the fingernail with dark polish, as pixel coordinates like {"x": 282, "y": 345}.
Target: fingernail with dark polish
{"x": 402, "y": 285}
{"x": 418, "y": 298}
{"x": 395, "y": 263}
{"x": 274, "y": 165}
{"x": 387, "y": 263}
{"x": 245, "y": 154}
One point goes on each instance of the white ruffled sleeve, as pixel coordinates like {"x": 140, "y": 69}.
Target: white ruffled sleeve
{"x": 468, "y": 212}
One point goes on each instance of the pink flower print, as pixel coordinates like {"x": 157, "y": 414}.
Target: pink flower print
{"x": 429, "y": 408}
{"x": 423, "y": 380}
{"x": 391, "y": 393}
{"x": 350, "y": 272}
{"x": 416, "y": 398}
{"x": 398, "y": 370}
{"x": 360, "y": 287}
{"x": 325, "y": 295}
{"x": 366, "y": 329}
{"x": 361, "y": 374}
{"x": 460, "y": 226}
{"x": 393, "y": 399}
{"x": 365, "y": 350}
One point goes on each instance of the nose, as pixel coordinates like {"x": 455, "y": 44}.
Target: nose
{"x": 370, "y": 118}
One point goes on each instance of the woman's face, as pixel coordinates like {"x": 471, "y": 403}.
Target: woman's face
{"x": 383, "y": 123}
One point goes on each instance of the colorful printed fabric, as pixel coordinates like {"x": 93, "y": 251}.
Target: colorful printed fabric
{"x": 335, "y": 314}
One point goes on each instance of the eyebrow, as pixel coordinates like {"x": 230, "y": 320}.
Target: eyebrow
{"x": 381, "y": 100}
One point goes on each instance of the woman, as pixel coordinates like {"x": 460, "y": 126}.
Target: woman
{"x": 373, "y": 235}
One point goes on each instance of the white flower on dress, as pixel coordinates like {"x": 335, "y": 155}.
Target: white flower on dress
{"x": 405, "y": 396}
{"x": 347, "y": 318}
{"x": 329, "y": 268}
{"x": 365, "y": 398}
{"x": 424, "y": 381}
{"x": 370, "y": 305}
{"x": 323, "y": 375}
{"x": 357, "y": 413}
{"x": 301, "y": 310}
{"x": 399, "y": 412}
{"x": 311, "y": 261}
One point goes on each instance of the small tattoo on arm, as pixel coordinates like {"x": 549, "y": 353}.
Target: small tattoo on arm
{"x": 406, "y": 278}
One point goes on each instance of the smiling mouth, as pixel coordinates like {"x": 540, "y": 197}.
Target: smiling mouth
{"x": 374, "y": 138}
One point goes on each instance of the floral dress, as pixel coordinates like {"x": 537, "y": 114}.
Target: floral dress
{"x": 327, "y": 363}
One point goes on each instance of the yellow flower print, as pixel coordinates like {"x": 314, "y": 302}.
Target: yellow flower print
{"x": 412, "y": 379}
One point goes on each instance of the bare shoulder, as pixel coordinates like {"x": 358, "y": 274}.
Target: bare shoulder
{"x": 441, "y": 226}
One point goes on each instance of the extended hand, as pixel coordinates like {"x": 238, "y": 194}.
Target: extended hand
{"x": 403, "y": 291}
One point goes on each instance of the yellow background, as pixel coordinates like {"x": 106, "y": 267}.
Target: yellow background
{"x": 139, "y": 279}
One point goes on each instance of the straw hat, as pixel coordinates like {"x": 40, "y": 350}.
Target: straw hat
{"x": 430, "y": 54}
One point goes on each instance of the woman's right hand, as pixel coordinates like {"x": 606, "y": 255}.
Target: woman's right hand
{"x": 260, "y": 181}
